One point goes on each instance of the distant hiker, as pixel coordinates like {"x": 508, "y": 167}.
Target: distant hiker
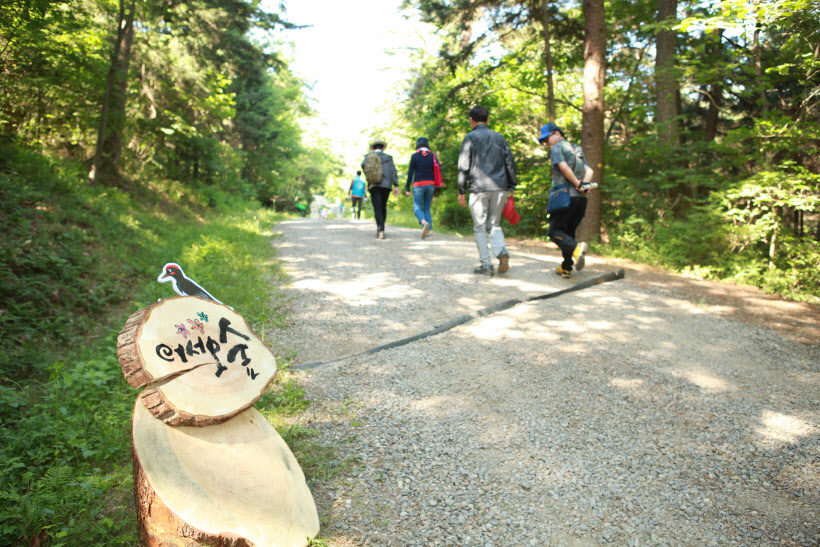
{"x": 486, "y": 165}
{"x": 356, "y": 194}
{"x": 381, "y": 175}
{"x": 420, "y": 174}
{"x": 568, "y": 166}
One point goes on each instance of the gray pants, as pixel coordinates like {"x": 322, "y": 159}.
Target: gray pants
{"x": 486, "y": 208}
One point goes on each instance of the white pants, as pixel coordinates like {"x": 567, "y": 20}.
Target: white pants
{"x": 486, "y": 208}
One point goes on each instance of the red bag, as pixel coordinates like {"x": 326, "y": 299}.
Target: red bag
{"x": 510, "y": 213}
{"x": 439, "y": 182}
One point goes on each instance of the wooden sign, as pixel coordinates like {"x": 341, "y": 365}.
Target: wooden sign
{"x": 208, "y": 469}
{"x": 199, "y": 359}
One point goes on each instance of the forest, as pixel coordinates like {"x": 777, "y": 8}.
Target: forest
{"x": 134, "y": 131}
{"x": 700, "y": 120}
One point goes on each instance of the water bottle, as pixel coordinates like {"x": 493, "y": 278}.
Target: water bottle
{"x": 589, "y": 185}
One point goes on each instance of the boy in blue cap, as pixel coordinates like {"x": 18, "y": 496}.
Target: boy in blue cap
{"x": 567, "y": 166}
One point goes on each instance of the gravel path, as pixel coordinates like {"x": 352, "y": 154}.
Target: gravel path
{"x": 616, "y": 415}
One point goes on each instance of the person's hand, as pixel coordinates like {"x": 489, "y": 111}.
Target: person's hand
{"x": 406, "y": 193}
{"x": 396, "y": 191}
{"x": 462, "y": 200}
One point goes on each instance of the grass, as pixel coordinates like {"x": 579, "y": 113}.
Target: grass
{"x": 75, "y": 262}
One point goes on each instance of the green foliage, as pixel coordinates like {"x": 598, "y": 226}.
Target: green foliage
{"x": 66, "y": 444}
{"x": 708, "y": 204}
{"x": 65, "y": 407}
{"x": 455, "y": 217}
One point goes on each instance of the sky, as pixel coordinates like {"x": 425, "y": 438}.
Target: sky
{"x": 354, "y": 55}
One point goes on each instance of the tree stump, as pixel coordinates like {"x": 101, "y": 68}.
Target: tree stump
{"x": 235, "y": 484}
{"x": 208, "y": 469}
{"x": 200, "y": 360}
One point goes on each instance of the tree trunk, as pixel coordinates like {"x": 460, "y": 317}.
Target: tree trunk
{"x": 715, "y": 92}
{"x": 666, "y": 81}
{"x": 200, "y": 361}
{"x": 545, "y": 25}
{"x": 592, "y": 123}
{"x": 758, "y": 62}
{"x": 112, "y": 117}
{"x": 234, "y": 484}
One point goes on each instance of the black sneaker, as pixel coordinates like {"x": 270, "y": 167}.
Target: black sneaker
{"x": 484, "y": 270}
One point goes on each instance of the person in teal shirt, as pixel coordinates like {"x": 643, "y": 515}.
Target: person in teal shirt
{"x": 356, "y": 193}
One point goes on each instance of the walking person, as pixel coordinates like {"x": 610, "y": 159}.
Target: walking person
{"x": 420, "y": 174}
{"x": 486, "y": 170}
{"x": 569, "y": 166}
{"x": 381, "y": 175}
{"x": 356, "y": 194}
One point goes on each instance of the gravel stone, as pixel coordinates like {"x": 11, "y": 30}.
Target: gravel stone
{"x": 616, "y": 415}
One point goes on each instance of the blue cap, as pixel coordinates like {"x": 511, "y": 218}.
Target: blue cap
{"x": 547, "y": 129}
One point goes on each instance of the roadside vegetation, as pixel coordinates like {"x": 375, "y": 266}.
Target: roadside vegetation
{"x": 75, "y": 263}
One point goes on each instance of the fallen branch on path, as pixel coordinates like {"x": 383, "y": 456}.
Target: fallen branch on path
{"x": 495, "y": 308}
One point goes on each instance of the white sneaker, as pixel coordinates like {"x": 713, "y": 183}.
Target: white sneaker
{"x": 425, "y": 227}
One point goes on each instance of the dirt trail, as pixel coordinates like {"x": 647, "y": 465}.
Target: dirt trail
{"x": 652, "y": 410}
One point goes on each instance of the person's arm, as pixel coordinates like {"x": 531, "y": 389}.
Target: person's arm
{"x": 588, "y": 174}
{"x": 509, "y": 163}
{"x": 570, "y": 175}
{"x": 464, "y": 165}
{"x": 410, "y": 171}
{"x": 393, "y": 174}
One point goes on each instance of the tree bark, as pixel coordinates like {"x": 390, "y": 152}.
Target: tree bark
{"x": 112, "y": 116}
{"x": 545, "y": 27}
{"x": 592, "y": 122}
{"x": 715, "y": 94}
{"x": 234, "y": 484}
{"x": 666, "y": 81}
{"x": 199, "y": 361}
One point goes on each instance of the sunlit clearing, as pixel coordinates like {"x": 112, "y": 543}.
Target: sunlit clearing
{"x": 360, "y": 291}
{"x": 495, "y": 327}
{"x": 626, "y": 383}
{"x": 438, "y": 405}
{"x": 782, "y": 428}
{"x": 703, "y": 380}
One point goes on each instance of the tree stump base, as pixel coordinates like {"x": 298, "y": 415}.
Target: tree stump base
{"x": 232, "y": 484}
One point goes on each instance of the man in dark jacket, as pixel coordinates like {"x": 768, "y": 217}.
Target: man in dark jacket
{"x": 379, "y": 194}
{"x": 486, "y": 169}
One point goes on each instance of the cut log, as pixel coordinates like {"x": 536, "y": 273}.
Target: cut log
{"x": 200, "y": 360}
{"x": 230, "y": 484}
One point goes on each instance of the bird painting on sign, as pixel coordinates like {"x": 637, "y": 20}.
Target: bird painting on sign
{"x": 183, "y": 285}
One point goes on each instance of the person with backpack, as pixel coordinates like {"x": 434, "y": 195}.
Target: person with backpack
{"x": 356, "y": 194}
{"x": 568, "y": 166}
{"x": 486, "y": 169}
{"x": 421, "y": 174}
{"x": 381, "y": 175}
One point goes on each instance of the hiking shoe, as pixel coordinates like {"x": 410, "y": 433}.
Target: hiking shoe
{"x": 484, "y": 270}
{"x": 579, "y": 255}
{"x": 380, "y": 235}
{"x": 503, "y": 263}
{"x": 425, "y": 227}
{"x": 563, "y": 273}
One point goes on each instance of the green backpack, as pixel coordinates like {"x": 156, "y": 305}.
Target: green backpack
{"x": 373, "y": 169}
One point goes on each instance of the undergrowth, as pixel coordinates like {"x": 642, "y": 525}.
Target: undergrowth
{"x": 76, "y": 261}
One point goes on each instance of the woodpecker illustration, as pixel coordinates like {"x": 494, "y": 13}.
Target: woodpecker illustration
{"x": 183, "y": 285}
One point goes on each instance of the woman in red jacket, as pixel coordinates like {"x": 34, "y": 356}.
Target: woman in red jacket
{"x": 420, "y": 174}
